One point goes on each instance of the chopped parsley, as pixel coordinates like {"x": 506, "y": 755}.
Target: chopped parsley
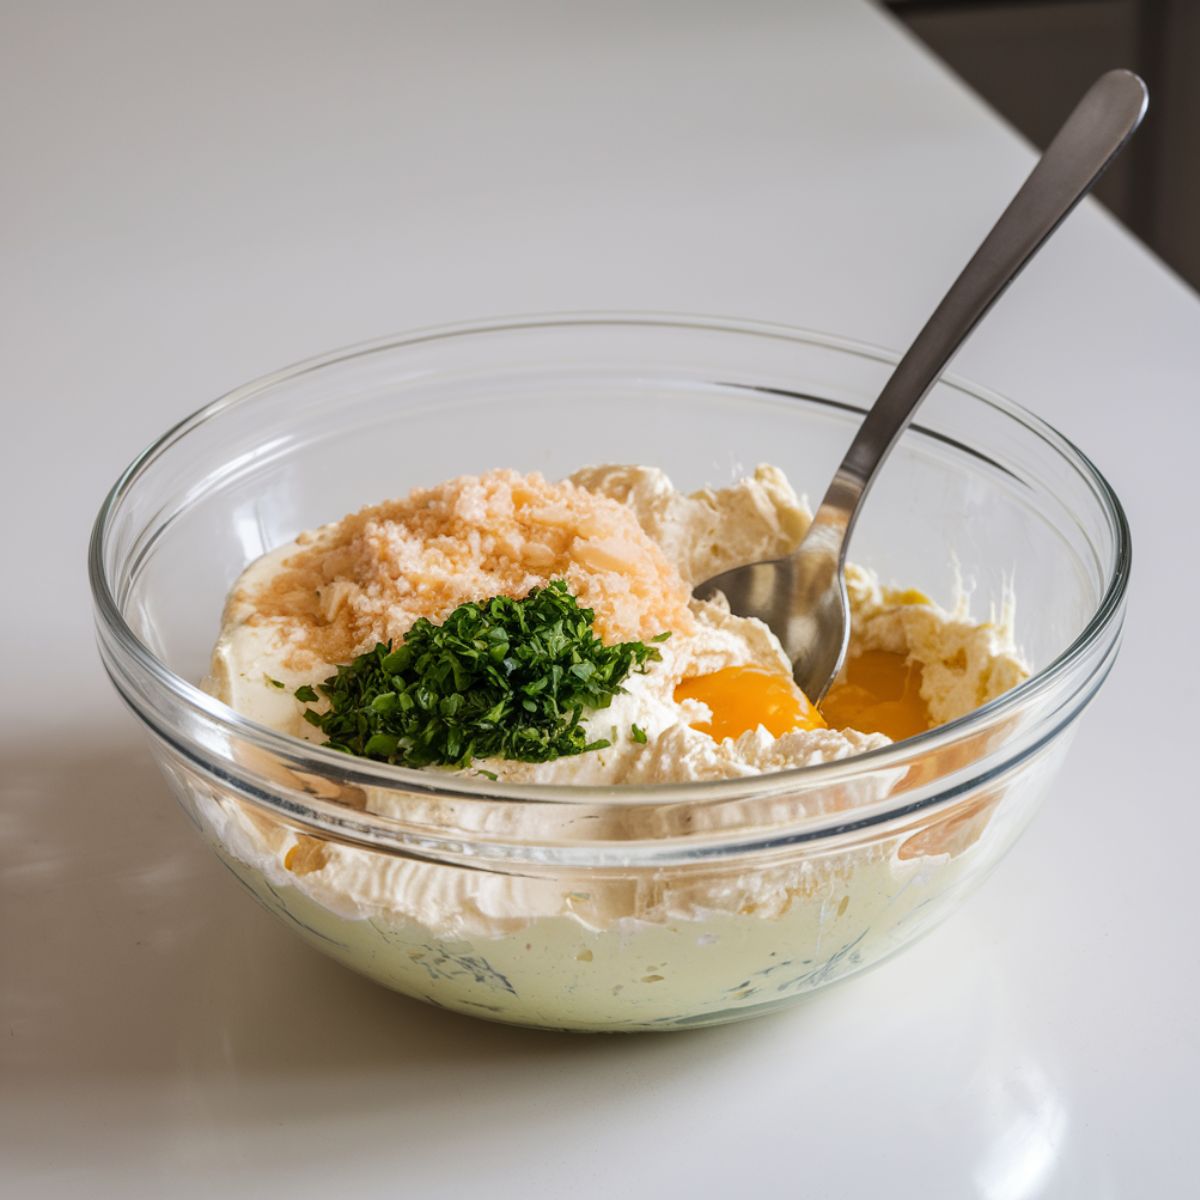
{"x": 499, "y": 678}
{"x": 637, "y": 733}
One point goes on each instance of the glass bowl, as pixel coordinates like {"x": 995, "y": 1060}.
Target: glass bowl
{"x": 622, "y": 908}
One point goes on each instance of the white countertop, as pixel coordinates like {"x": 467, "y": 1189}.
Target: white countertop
{"x": 196, "y": 194}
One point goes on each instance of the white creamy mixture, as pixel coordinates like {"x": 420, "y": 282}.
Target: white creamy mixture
{"x": 701, "y": 535}
{"x": 680, "y": 946}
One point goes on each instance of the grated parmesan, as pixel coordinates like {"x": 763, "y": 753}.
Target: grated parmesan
{"x": 370, "y": 576}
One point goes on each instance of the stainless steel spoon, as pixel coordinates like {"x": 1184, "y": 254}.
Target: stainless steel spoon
{"x": 802, "y": 597}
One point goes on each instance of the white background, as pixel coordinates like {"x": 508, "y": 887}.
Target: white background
{"x": 192, "y": 195}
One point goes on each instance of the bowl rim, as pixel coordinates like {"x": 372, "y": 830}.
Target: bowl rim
{"x": 365, "y": 772}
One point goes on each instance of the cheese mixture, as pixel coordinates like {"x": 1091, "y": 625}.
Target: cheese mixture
{"x": 629, "y": 547}
{"x": 718, "y": 703}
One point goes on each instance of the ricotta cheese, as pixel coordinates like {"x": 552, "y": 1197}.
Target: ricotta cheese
{"x": 630, "y": 546}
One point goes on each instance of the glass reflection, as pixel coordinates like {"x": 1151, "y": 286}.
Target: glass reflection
{"x": 1032, "y": 1123}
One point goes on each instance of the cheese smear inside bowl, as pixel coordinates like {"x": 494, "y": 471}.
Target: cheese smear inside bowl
{"x": 478, "y": 742}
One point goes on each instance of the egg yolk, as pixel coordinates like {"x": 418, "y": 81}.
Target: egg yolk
{"x": 881, "y": 693}
{"x": 742, "y": 698}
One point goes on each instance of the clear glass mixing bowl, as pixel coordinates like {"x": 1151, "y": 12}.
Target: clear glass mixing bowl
{"x": 620, "y": 908}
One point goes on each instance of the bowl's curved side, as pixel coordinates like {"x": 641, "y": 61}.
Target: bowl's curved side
{"x": 626, "y": 949}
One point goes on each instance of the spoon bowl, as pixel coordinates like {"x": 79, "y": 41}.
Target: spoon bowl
{"x": 802, "y": 599}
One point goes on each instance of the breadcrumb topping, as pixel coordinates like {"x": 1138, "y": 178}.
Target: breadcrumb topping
{"x": 370, "y": 576}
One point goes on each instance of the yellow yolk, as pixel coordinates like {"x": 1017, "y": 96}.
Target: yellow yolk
{"x": 881, "y": 693}
{"x": 743, "y": 698}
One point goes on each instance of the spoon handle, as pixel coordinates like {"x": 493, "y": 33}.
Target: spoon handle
{"x": 1091, "y": 138}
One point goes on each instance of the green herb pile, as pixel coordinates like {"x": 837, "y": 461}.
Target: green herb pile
{"x": 501, "y": 678}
